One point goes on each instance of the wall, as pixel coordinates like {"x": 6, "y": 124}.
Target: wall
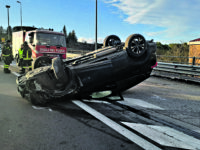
{"x": 194, "y": 51}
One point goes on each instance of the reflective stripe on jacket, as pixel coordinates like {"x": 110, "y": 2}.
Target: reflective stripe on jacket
{"x": 7, "y": 51}
{"x": 27, "y": 56}
{"x": 5, "y": 55}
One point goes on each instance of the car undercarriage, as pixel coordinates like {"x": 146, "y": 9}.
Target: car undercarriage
{"x": 112, "y": 69}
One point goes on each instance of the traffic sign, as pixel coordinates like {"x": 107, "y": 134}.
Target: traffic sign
{"x": 2, "y": 40}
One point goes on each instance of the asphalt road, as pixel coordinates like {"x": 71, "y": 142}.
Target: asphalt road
{"x": 26, "y": 127}
{"x": 179, "y": 100}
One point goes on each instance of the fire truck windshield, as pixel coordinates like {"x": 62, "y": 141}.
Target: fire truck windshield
{"x": 50, "y": 39}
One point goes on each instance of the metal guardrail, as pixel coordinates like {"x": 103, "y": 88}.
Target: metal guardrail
{"x": 178, "y": 69}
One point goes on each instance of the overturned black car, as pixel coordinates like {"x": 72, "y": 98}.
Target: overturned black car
{"x": 114, "y": 68}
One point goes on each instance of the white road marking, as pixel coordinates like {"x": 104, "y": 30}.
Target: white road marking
{"x": 138, "y": 102}
{"x": 96, "y": 101}
{"x": 166, "y": 136}
{"x": 120, "y": 129}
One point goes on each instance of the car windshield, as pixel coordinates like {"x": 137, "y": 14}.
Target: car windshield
{"x": 50, "y": 39}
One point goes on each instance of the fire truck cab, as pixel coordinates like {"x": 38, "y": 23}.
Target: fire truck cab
{"x": 45, "y": 44}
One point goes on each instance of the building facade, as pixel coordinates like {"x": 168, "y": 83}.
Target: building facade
{"x": 194, "y": 51}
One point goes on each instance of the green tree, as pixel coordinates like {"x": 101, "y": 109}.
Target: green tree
{"x": 174, "y": 52}
{"x": 74, "y": 38}
{"x": 159, "y": 45}
{"x": 162, "y": 48}
{"x": 65, "y": 33}
{"x": 179, "y": 50}
{"x": 69, "y": 37}
{"x": 1, "y": 30}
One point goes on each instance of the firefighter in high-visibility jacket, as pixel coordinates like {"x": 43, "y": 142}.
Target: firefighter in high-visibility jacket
{"x": 20, "y": 56}
{"x": 7, "y": 56}
{"x": 26, "y": 61}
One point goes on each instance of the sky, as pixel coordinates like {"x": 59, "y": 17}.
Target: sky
{"x": 165, "y": 21}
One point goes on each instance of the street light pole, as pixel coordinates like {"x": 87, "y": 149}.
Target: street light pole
{"x": 7, "y": 6}
{"x": 20, "y": 12}
{"x": 96, "y": 28}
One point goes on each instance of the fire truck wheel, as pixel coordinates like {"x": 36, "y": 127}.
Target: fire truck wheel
{"x": 41, "y": 62}
{"x": 135, "y": 45}
{"x": 111, "y": 40}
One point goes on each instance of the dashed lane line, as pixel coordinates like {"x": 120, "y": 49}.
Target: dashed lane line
{"x": 118, "y": 128}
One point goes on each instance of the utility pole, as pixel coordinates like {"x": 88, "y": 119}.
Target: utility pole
{"x": 7, "y": 6}
{"x": 20, "y": 12}
{"x": 96, "y": 28}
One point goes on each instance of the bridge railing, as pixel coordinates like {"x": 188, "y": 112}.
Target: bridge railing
{"x": 179, "y": 60}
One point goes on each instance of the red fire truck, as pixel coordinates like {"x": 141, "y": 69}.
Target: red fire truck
{"x": 45, "y": 44}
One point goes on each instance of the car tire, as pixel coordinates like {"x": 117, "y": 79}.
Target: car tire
{"x": 111, "y": 40}
{"x": 41, "y": 62}
{"x": 135, "y": 45}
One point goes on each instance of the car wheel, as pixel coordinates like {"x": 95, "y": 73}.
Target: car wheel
{"x": 41, "y": 62}
{"x": 111, "y": 40}
{"x": 135, "y": 45}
